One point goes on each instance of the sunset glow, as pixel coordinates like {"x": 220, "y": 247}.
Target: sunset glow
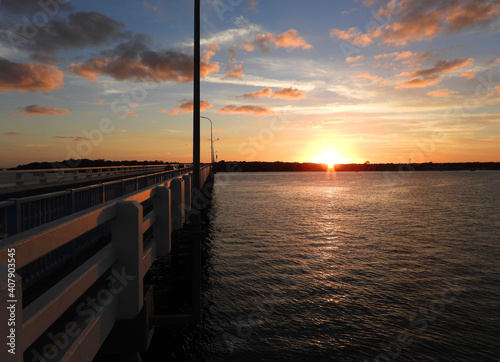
{"x": 381, "y": 81}
{"x": 330, "y": 158}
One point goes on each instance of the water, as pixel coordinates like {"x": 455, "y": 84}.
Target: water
{"x": 351, "y": 267}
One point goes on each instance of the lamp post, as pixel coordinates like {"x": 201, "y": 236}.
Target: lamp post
{"x": 211, "y": 140}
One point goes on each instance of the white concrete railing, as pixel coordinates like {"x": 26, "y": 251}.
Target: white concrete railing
{"x": 25, "y": 178}
{"x": 125, "y": 260}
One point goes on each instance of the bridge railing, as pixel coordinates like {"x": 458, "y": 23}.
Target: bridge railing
{"x": 71, "y": 319}
{"x": 20, "y": 214}
{"x": 19, "y": 178}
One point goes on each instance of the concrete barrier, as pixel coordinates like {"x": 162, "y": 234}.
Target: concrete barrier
{"x": 122, "y": 263}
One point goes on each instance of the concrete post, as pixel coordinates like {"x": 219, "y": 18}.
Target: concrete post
{"x": 127, "y": 238}
{"x": 11, "y": 312}
{"x": 178, "y": 202}
{"x": 162, "y": 229}
{"x": 187, "y": 194}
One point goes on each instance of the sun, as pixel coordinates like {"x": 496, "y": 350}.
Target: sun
{"x": 329, "y": 158}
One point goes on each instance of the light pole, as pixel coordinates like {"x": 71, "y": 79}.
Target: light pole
{"x": 211, "y": 139}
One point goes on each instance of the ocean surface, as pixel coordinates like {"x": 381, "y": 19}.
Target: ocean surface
{"x": 367, "y": 266}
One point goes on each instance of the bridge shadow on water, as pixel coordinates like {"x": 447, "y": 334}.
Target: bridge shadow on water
{"x": 171, "y": 278}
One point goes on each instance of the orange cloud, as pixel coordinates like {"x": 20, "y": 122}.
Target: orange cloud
{"x": 235, "y": 72}
{"x": 472, "y": 15}
{"x": 389, "y": 55}
{"x": 468, "y": 75}
{"x": 349, "y": 34}
{"x": 266, "y": 92}
{"x": 187, "y": 107}
{"x": 420, "y": 20}
{"x": 134, "y": 61}
{"x": 441, "y": 93}
{"x": 422, "y": 27}
{"x": 442, "y": 66}
{"x": 289, "y": 93}
{"x": 29, "y": 77}
{"x": 332, "y": 121}
{"x": 363, "y": 40}
{"x": 99, "y": 100}
{"x": 420, "y": 83}
{"x": 289, "y": 39}
{"x": 36, "y": 110}
{"x": 12, "y": 134}
{"x": 369, "y": 77}
{"x": 413, "y": 122}
{"x": 354, "y": 59}
{"x": 248, "y": 46}
{"x": 130, "y": 113}
{"x": 255, "y": 110}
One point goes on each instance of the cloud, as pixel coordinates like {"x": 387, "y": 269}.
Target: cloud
{"x": 99, "y": 100}
{"x": 419, "y": 83}
{"x": 332, "y": 121}
{"x": 413, "y": 122}
{"x": 419, "y": 20}
{"x": 407, "y": 57}
{"x": 368, "y": 76}
{"x": 472, "y": 15}
{"x": 130, "y": 113}
{"x": 289, "y": 39}
{"x": 12, "y": 134}
{"x": 252, "y": 6}
{"x": 77, "y": 138}
{"x": 289, "y": 93}
{"x": 36, "y": 110}
{"x": 28, "y": 6}
{"x": 363, "y": 40}
{"x": 285, "y": 93}
{"x": 29, "y": 77}
{"x": 248, "y": 46}
{"x": 431, "y": 76}
{"x": 388, "y": 55}
{"x": 81, "y": 30}
{"x": 468, "y": 75}
{"x": 255, "y": 110}
{"x": 441, "y": 93}
{"x": 266, "y": 92}
{"x": 348, "y": 12}
{"x": 149, "y": 6}
{"x": 348, "y": 35}
{"x": 422, "y": 27}
{"x": 442, "y": 66}
{"x": 139, "y": 63}
{"x": 354, "y": 59}
{"x": 187, "y": 107}
{"x": 235, "y": 72}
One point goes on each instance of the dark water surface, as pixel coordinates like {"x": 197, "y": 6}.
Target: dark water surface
{"x": 350, "y": 267}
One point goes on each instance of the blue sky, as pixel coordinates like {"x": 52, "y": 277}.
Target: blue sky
{"x": 323, "y": 81}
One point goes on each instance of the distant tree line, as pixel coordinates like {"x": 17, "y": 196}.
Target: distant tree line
{"x": 242, "y": 166}
{"x": 72, "y": 163}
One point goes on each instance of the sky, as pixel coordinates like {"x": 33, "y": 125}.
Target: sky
{"x": 318, "y": 81}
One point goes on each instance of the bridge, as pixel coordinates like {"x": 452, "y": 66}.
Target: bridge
{"x": 73, "y": 264}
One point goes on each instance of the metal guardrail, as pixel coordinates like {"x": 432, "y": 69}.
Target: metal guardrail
{"x": 18, "y": 178}
{"x": 17, "y": 215}
{"x": 126, "y": 258}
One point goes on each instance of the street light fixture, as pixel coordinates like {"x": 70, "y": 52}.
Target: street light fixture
{"x": 211, "y": 139}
